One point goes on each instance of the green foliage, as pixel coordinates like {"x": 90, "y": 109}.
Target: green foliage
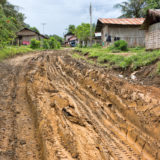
{"x": 53, "y": 43}
{"x": 96, "y": 46}
{"x": 11, "y": 20}
{"x": 71, "y": 29}
{"x": 137, "y": 8}
{"x": 11, "y": 51}
{"x": 2, "y": 2}
{"x": 158, "y": 67}
{"x": 45, "y": 44}
{"x": 34, "y": 29}
{"x": 152, "y": 4}
{"x": 7, "y": 27}
{"x": 132, "y": 8}
{"x": 83, "y": 32}
{"x": 35, "y": 44}
{"x": 77, "y": 56}
{"x": 58, "y": 38}
{"x": 120, "y": 45}
{"x": 138, "y": 57}
{"x": 12, "y": 11}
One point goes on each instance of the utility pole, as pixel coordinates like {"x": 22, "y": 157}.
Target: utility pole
{"x": 43, "y": 24}
{"x": 90, "y": 10}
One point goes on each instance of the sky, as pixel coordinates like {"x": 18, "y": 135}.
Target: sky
{"x": 59, "y": 14}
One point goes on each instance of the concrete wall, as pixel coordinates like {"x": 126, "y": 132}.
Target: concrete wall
{"x": 153, "y": 37}
{"x": 131, "y": 34}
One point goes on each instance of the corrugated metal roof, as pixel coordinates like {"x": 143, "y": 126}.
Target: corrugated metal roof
{"x": 72, "y": 38}
{"x": 122, "y": 21}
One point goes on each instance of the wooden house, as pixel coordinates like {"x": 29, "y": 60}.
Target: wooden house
{"x": 152, "y": 27}
{"x": 128, "y": 29}
{"x": 67, "y": 37}
{"x": 25, "y": 35}
{"x": 73, "y": 41}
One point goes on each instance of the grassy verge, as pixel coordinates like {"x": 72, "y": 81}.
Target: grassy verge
{"x": 136, "y": 57}
{"x": 158, "y": 68}
{"x": 11, "y": 51}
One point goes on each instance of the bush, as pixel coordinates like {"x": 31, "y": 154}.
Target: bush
{"x": 35, "y": 44}
{"x": 158, "y": 67}
{"x": 53, "y": 43}
{"x": 96, "y": 46}
{"x": 45, "y": 44}
{"x": 120, "y": 45}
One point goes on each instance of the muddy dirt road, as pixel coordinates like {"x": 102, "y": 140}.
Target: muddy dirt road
{"x": 53, "y": 107}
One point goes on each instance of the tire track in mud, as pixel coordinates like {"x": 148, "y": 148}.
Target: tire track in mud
{"x": 112, "y": 141}
{"x": 65, "y": 109}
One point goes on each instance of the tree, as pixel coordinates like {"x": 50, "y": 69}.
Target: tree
{"x": 132, "y": 8}
{"x": 71, "y": 29}
{"x": 83, "y": 33}
{"x": 58, "y": 38}
{"x": 34, "y": 29}
{"x": 7, "y": 28}
{"x": 12, "y": 11}
{"x": 2, "y": 2}
{"x": 152, "y": 4}
{"x": 11, "y": 20}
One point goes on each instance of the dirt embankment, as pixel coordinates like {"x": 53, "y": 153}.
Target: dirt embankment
{"x": 56, "y": 108}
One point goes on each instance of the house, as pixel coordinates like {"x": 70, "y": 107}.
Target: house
{"x": 70, "y": 40}
{"x": 128, "y": 29}
{"x": 73, "y": 41}
{"x": 66, "y": 38}
{"x": 152, "y": 27}
{"x": 25, "y": 35}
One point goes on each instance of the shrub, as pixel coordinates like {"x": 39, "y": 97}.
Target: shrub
{"x": 45, "y": 44}
{"x": 53, "y": 43}
{"x": 96, "y": 46}
{"x": 35, "y": 44}
{"x": 158, "y": 68}
{"x": 121, "y": 45}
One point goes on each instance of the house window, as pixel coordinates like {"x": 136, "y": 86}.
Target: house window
{"x": 109, "y": 39}
{"x": 116, "y": 38}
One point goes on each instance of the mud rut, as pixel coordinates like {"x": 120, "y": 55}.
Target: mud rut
{"x": 56, "y": 108}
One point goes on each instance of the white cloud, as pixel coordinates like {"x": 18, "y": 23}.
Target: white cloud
{"x": 58, "y": 14}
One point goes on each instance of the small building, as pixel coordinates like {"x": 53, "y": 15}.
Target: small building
{"x": 73, "y": 41}
{"x": 70, "y": 40}
{"x": 152, "y": 27}
{"x": 25, "y": 35}
{"x": 128, "y": 29}
{"x": 67, "y": 37}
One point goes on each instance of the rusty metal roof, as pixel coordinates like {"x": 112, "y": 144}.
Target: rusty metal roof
{"x": 122, "y": 21}
{"x": 72, "y": 38}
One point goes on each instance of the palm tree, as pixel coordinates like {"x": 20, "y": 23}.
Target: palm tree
{"x": 132, "y": 8}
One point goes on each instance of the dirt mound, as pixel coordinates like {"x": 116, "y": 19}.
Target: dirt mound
{"x": 55, "y": 107}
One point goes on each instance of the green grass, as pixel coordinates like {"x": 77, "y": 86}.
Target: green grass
{"x": 11, "y": 51}
{"x": 158, "y": 68}
{"x": 137, "y": 57}
{"x": 77, "y": 56}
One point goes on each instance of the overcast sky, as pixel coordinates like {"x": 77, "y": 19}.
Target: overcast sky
{"x": 58, "y": 14}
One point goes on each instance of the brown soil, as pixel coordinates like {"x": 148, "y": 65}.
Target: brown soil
{"x": 53, "y": 107}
